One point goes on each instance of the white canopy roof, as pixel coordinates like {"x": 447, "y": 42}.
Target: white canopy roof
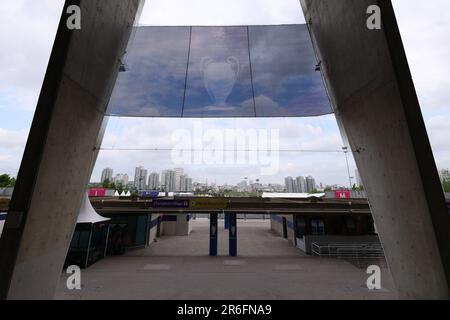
{"x": 88, "y": 214}
{"x": 293, "y": 195}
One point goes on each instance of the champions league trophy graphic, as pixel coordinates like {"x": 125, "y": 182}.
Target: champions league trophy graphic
{"x": 219, "y": 78}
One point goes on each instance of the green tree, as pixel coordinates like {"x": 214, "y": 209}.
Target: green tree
{"x": 446, "y": 185}
{"x": 357, "y": 188}
{"x": 7, "y": 181}
{"x": 108, "y": 184}
{"x": 120, "y": 187}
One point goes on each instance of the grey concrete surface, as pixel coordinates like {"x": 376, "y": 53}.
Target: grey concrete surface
{"x": 370, "y": 86}
{"x": 43, "y": 211}
{"x": 266, "y": 268}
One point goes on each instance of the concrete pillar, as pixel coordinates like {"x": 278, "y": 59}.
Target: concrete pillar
{"x": 213, "y": 234}
{"x": 232, "y": 234}
{"x": 57, "y": 160}
{"x": 226, "y": 221}
{"x": 370, "y": 86}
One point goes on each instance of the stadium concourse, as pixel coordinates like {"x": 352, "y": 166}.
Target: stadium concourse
{"x": 178, "y": 267}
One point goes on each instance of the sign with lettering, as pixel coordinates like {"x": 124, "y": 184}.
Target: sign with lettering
{"x": 342, "y": 194}
{"x": 208, "y": 203}
{"x": 168, "y": 203}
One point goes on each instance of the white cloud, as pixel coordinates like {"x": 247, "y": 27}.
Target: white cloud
{"x": 10, "y": 139}
{"x": 425, "y": 27}
{"x": 27, "y": 34}
{"x": 12, "y": 144}
{"x": 295, "y": 134}
{"x": 438, "y": 131}
{"x": 221, "y": 12}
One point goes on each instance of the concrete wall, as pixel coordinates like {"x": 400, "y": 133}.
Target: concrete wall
{"x": 81, "y": 74}
{"x": 153, "y": 228}
{"x": 276, "y": 224}
{"x": 370, "y": 86}
{"x": 177, "y": 225}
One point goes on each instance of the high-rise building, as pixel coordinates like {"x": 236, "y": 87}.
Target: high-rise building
{"x": 301, "y": 184}
{"x": 169, "y": 181}
{"x": 185, "y": 183}
{"x": 242, "y": 186}
{"x": 182, "y": 186}
{"x": 291, "y": 185}
{"x": 162, "y": 180}
{"x": 140, "y": 178}
{"x": 310, "y": 184}
{"x": 107, "y": 174}
{"x": 121, "y": 178}
{"x": 153, "y": 181}
{"x": 178, "y": 173}
{"x": 188, "y": 183}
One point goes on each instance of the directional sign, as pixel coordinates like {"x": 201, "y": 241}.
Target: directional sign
{"x": 165, "y": 203}
{"x": 149, "y": 194}
{"x": 208, "y": 203}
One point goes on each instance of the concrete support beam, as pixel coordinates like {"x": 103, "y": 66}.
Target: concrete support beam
{"x": 369, "y": 82}
{"x": 56, "y": 165}
{"x": 232, "y": 242}
{"x": 213, "y": 234}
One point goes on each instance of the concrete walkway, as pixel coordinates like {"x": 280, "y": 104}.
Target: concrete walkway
{"x": 266, "y": 268}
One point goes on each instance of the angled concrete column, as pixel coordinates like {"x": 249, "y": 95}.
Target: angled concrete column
{"x": 56, "y": 165}
{"x": 369, "y": 83}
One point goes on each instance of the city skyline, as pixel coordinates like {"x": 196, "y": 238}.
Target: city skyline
{"x": 418, "y": 24}
{"x": 166, "y": 180}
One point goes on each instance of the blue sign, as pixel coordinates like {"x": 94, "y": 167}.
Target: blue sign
{"x": 149, "y": 194}
{"x": 164, "y": 203}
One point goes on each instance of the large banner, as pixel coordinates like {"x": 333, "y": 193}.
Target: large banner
{"x": 232, "y": 71}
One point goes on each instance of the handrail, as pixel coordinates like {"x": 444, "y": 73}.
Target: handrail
{"x": 348, "y": 250}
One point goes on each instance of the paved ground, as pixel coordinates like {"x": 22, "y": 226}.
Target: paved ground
{"x": 266, "y": 268}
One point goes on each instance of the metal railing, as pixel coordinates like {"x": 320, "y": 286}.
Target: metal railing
{"x": 348, "y": 250}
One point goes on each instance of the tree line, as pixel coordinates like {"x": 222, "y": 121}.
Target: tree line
{"x": 7, "y": 181}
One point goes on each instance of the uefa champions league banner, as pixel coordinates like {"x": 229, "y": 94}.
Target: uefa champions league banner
{"x": 235, "y": 71}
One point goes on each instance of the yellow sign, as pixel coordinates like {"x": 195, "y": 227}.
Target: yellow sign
{"x": 208, "y": 203}
{"x": 4, "y": 204}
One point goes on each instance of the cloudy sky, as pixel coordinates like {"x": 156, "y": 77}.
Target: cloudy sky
{"x": 27, "y": 33}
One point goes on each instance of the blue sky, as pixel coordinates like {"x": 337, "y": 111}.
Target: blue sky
{"x": 27, "y": 32}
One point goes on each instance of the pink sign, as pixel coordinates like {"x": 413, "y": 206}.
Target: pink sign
{"x": 342, "y": 194}
{"x": 97, "y": 192}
